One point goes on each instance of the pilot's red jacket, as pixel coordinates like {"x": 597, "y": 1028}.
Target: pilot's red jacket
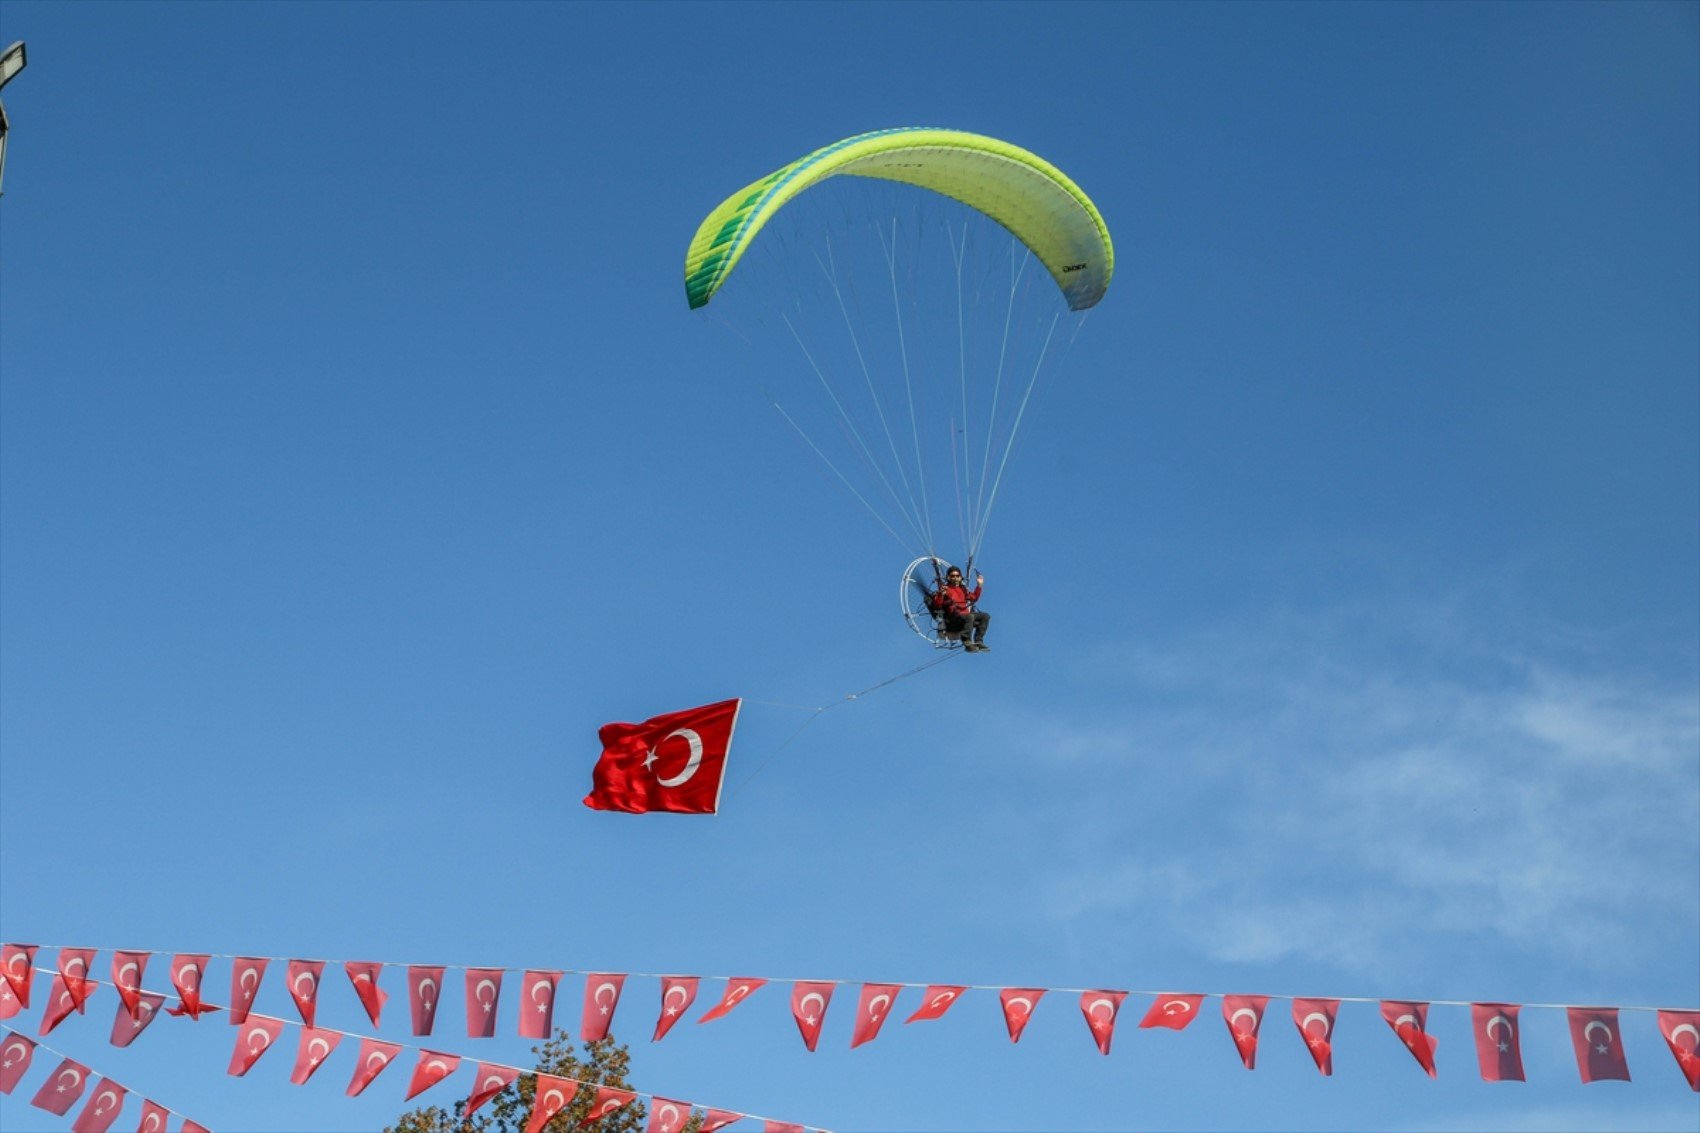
{"x": 958, "y": 600}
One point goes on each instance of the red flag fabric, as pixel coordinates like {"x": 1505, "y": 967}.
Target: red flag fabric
{"x": 1101, "y": 1009}
{"x": 1599, "y": 1049}
{"x": 1315, "y": 1020}
{"x": 1018, "y": 1004}
{"x": 808, "y": 1007}
{"x": 15, "y": 1054}
{"x": 490, "y": 1080}
{"x": 667, "y": 1116}
{"x": 717, "y": 1119}
{"x": 771, "y": 1126}
{"x": 431, "y": 1068}
{"x": 304, "y": 976}
{"x": 74, "y": 964}
{"x": 935, "y": 1001}
{"x": 155, "y": 1117}
{"x": 194, "y": 1127}
{"x": 674, "y": 762}
{"x": 1172, "y": 1010}
{"x": 483, "y": 989}
{"x": 873, "y": 1007}
{"x": 552, "y": 1096}
{"x": 315, "y": 1046}
{"x": 125, "y": 1026}
{"x": 17, "y": 964}
{"x": 373, "y": 1058}
{"x": 127, "y": 969}
{"x": 61, "y": 1091}
{"x": 677, "y": 995}
{"x": 364, "y": 976}
{"x": 738, "y": 988}
{"x": 607, "y": 1100}
{"x": 102, "y": 1109}
{"x": 601, "y": 997}
{"x": 245, "y": 976}
{"x": 424, "y": 992}
{"x": 1410, "y": 1022}
{"x": 9, "y": 1005}
{"x": 1681, "y": 1030}
{"x": 1244, "y": 1016}
{"x": 59, "y": 1006}
{"x": 186, "y": 973}
{"x": 253, "y": 1039}
{"x": 537, "y": 1004}
{"x": 1499, "y": 1043}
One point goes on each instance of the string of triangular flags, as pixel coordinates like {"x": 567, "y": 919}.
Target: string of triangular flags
{"x": 67, "y": 1083}
{"x": 258, "y": 1033}
{"x": 1497, "y": 1028}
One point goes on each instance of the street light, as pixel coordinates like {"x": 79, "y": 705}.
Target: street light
{"x": 11, "y": 62}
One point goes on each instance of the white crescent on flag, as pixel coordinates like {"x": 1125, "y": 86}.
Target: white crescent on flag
{"x": 690, "y": 737}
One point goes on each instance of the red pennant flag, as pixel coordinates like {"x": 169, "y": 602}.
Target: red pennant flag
{"x": 9, "y": 1005}
{"x": 255, "y": 1037}
{"x": 304, "y": 978}
{"x": 424, "y": 992}
{"x": 125, "y": 1026}
{"x": 60, "y": 1005}
{"x": 245, "y": 976}
{"x": 1101, "y": 1009}
{"x": 374, "y": 1056}
{"x": 667, "y": 1116}
{"x": 552, "y": 1096}
{"x": 1172, "y": 1010}
{"x": 1244, "y": 1016}
{"x": 1681, "y": 1030}
{"x": 1315, "y": 1020}
{"x": 780, "y": 1127}
{"x": 155, "y": 1117}
{"x": 1499, "y": 1043}
{"x": 315, "y": 1046}
{"x": 601, "y": 997}
{"x": 738, "y": 988}
{"x": 102, "y": 1110}
{"x": 873, "y": 1007}
{"x": 1410, "y": 1022}
{"x": 74, "y": 966}
{"x": 808, "y": 1007}
{"x": 677, "y": 995}
{"x": 15, "y": 1054}
{"x": 17, "y": 964}
{"x": 127, "y": 969}
{"x": 186, "y": 973}
{"x": 60, "y": 1092}
{"x": 1018, "y": 1004}
{"x": 673, "y": 762}
{"x": 364, "y": 976}
{"x": 194, "y": 1127}
{"x": 483, "y": 989}
{"x": 537, "y": 1003}
{"x": 608, "y": 1099}
{"x": 486, "y": 1084}
{"x": 935, "y": 1001}
{"x": 1599, "y": 1048}
{"x": 717, "y": 1119}
{"x": 431, "y": 1068}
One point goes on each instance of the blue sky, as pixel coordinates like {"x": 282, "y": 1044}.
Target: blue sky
{"x": 359, "y": 457}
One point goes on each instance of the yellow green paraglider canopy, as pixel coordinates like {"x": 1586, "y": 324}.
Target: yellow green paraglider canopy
{"x": 1026, "y": 194}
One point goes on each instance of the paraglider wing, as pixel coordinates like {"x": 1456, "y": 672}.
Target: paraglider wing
{"x": 1030, "y": 197}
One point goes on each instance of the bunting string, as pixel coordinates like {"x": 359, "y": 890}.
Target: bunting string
{"x": 65, "y": 1086}
{"x": 248, "y": 1053}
